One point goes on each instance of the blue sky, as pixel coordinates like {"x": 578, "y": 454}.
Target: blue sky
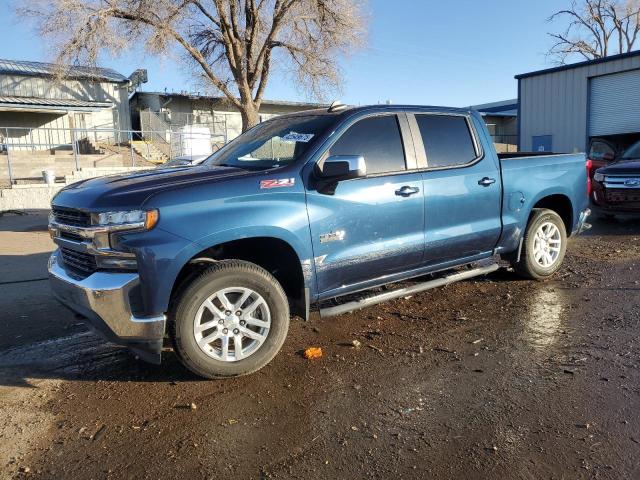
{"x": 422, "y": 51}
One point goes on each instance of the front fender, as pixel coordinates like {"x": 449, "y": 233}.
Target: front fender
{"x": 167, "y": 267}
{"x": 209, "y": 215}
{"x": 302, "y": 249}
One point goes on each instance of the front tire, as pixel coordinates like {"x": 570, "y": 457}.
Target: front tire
{"x": 544, "y": 245}
{"x": 231, "y": 320}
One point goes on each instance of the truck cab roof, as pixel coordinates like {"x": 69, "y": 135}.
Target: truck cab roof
{"x": 382, "y": 108}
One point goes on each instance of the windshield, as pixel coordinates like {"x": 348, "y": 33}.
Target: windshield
{"x": 633, "y": 152}
{"x": 274, "y": 143}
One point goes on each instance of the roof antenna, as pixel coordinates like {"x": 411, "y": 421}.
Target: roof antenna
{"x": 336, "y": 106}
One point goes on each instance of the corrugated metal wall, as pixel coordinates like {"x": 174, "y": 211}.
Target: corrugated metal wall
{"x": 614, "y": 104}
{"x": 556, "y": 104}
{"x": 41, "y": 130}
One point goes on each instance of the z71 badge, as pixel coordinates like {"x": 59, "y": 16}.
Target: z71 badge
{"x": 336, "y": 236}
{"x": 278, "y": 183}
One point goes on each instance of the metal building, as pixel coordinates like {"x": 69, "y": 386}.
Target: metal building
{"x": 501, "y": 119}
{"x": 37, "y": 108}
{"x": 175, "y": 110}
{"x": 561, "y": 109}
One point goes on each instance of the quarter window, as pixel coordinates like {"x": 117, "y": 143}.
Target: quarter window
{"x": 447, "y": 140}
{"x": 378, "y": 140}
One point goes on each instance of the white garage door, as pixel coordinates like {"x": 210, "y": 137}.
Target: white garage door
{"x": 615, "y": 104}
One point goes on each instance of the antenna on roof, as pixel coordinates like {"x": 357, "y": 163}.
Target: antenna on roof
{"x": 336, "y": 106}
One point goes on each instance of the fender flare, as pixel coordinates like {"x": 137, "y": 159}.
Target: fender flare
{"x": 185, "y": 255}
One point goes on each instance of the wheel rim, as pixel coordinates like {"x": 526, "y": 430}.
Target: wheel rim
{"x": 232, "y": 324}
{"x": 546, "y": 245}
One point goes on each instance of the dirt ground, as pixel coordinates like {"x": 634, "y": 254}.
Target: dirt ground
{"x": 494, "y": 378}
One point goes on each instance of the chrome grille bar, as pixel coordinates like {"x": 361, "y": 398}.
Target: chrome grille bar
{"x": 629, "y": 182}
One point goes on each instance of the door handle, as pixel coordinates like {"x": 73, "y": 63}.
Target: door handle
{"x": 407, "y": 191}
{"x": 486, "y": 181}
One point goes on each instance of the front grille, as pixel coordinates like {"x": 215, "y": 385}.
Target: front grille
{"x": 70, "y": 216}
{"x": 80, "y": 262}
{"x": 71, "y": 236}
{"x": 622, "y": 195}
{"x": 624, "y": 183}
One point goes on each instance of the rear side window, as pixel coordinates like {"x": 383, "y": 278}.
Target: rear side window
{"x": 378, "y": 140}
{"x": 447, "y": 140}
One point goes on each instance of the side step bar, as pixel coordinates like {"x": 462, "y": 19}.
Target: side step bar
{"x": 403, "y": 292}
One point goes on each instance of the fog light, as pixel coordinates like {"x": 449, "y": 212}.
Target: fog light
{"x": 115, "y": 262}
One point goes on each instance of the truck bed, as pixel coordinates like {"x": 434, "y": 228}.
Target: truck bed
{"x": 527, "y": 179}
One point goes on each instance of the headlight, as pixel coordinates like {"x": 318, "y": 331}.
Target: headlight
{"x": 145, "y": 219}
{"x": 598, "y": 177}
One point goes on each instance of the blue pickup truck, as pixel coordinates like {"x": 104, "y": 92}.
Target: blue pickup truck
{"x": 301, "y": 212}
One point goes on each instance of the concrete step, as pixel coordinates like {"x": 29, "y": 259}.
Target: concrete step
{"x": 149, "y": 151}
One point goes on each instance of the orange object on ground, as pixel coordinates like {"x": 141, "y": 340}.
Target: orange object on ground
{"x": 313, "y": 352}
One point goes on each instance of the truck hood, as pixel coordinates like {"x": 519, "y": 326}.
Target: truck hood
{"x": 131, "y": 190}
{"x": 623, "y": 167}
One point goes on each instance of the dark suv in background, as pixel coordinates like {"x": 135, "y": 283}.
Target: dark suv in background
{"x": 615, "y": 187}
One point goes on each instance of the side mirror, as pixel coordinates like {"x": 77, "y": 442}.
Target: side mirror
{"x": 343, "y": 167}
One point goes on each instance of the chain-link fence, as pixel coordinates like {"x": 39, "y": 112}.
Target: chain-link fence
{"x": 25, "y": 153}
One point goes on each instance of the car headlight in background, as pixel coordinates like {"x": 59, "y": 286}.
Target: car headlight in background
{"x": 598, "y": 177}
{"x": 134, "y": 219}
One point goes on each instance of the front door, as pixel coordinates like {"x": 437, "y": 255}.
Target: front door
{"x": 462, "y": 190}
{"x": 372, "y": 226}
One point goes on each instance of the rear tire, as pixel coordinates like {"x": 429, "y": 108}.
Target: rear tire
{"x": 543, "y": 247}
{"x": 231, "y": 320}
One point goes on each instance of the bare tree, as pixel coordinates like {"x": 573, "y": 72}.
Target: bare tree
{"x": 597, "y": 28}
{"x": 234, "y": 45}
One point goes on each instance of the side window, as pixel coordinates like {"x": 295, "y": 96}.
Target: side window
{"x": 447, "y": 140}
{"x": 378, "y": 140}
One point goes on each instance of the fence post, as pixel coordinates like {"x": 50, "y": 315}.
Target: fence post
{"x": 10, "y": 170}
{"x": 75, "y": 148}
{"x": 133, "y": 160}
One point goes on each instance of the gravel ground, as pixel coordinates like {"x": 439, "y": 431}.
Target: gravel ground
{"x": 494, "y": 378}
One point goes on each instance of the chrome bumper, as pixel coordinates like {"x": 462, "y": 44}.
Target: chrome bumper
{"x": 103, "y": 298}
{"x": 582, "y": 222}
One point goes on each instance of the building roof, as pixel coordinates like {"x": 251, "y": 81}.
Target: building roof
{"x": 579, "y": 64}
{"x": 502, "y": 108}
{"x": 281, "y": 103}
{"x": 49, "y": 104}
{"x": 40, "y": 69}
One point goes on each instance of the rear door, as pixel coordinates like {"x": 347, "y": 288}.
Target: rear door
{"x": 462, "y": 188}
{"x": 370, "y": 227}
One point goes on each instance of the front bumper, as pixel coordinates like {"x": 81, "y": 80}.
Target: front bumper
{"x": 617, "y": 209}
{"x": 103, "y": 298}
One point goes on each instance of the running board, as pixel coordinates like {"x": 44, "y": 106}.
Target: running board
{"x": 403, "y": 292}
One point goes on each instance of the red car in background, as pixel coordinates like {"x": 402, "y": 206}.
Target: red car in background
{"x": 615, "y": 179}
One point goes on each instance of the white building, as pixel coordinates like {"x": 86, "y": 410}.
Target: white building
{"x": 38, "y": 108}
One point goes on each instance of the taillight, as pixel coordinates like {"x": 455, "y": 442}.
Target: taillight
{"x": 589, "y": 169}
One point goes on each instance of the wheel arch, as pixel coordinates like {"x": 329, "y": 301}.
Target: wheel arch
{"x": 273, "y": 253}
{"x": 560, "y": 204}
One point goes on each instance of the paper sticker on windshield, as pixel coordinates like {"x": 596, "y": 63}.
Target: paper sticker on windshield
{"x": 297, "y": 137}
{"x": 278, "y": 183}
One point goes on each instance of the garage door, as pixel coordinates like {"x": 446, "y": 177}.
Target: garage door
{"x": 615, "y": 104}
